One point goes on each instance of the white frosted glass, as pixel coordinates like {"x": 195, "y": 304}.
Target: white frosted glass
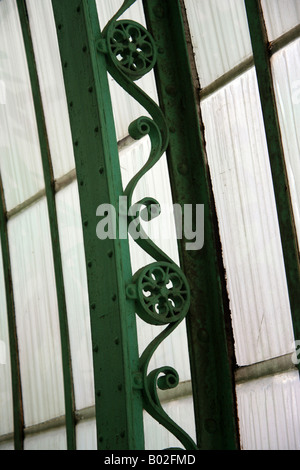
{"x": 36, "y": 314}
{"x": 286, "y": 74}
{"x": 280, "y": 16}
{"x": 54, "y": 439}
{"x": 174, "y": 350}
{"x": 220, "y": 36}
{"x": 52, "y": 88}
{"x": 239, "y": 165}
{"x": 125, "y": 108}
{"x": 269, "y": 413}
{"x": 106, "y": 11}
{"x": 158, "y": 437}
{"x": 7, "y": 445}
{"x": 86, "y": 435}
{"x": 76, "y": 292}
{"x": 20, "y": 160}
{"x": 6, "y": 405}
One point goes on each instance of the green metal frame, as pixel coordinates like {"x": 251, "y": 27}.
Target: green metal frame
{"x": 115, "y": 352}
{"x": 118, "y": 369}
{"x": 121, "y": 377}
{"x": 212, "y": 361}
{"x": 122, "y": 385}
{"x": 261, "y": 53}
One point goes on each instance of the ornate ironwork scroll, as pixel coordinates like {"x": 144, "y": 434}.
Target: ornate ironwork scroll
{"x": 160, "y": 290}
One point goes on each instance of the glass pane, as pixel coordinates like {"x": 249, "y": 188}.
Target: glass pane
{"x": 220, "y": 36}
{"x": 54, "y": 439}
{"x": 106, "y": 11}
{"x": 36, "y": 314}
{"x": 48, "y": 63}
{"x": 7, "y": 445}
{"x": 239, "y": 164}
{"x": 20, "y": 160}
{"x": 86, "y": 435}
{"x": 286, "y": 73}
{"x": 6, "y": 405}
{"x": 280, "y": 16}
{"x": 74, "y": 270}
{"x": 269, "y": 413}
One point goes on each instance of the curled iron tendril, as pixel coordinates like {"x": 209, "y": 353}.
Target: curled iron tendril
{"x": 160, "y": 290}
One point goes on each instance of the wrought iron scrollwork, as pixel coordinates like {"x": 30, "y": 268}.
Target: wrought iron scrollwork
{"x": 160, "y": 290}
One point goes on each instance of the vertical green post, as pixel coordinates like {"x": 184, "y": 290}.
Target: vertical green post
{"x": 119, "y": 408}
{"x": 208, "y": 323}
{"x": 289, "y": 242}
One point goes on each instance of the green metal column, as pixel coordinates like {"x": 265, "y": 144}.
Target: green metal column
{"x": 115, "y": 352}
{"x": 261, "y": 53}
{"x": 208, "y": 322}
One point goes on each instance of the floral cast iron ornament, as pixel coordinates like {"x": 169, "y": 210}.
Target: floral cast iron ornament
{"x": 160, "y": 290}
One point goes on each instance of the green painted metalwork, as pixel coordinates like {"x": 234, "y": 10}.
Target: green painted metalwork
{"x": 13, "y": 343}
{"x": 208, "y": 320}
{"x": 161, "y": 292}
{"x": 158, "y": 303}
{"x": 131, "y": 48}
{"x": 289, "y": 242}
{"x": 50, "y": 195}
{"x": 118, "y": 398}
{"x": 131, "y": 53}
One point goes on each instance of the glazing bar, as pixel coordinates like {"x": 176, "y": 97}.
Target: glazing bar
{"x": 211, "y": 361}
{"x": 261, "y": 53}
{"x": 50, "y": 195}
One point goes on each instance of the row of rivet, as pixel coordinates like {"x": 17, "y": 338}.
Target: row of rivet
{"x": 110, "y": 252}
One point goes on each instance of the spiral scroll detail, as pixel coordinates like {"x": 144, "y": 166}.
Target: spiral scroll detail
{"x": 160, "y": 290}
